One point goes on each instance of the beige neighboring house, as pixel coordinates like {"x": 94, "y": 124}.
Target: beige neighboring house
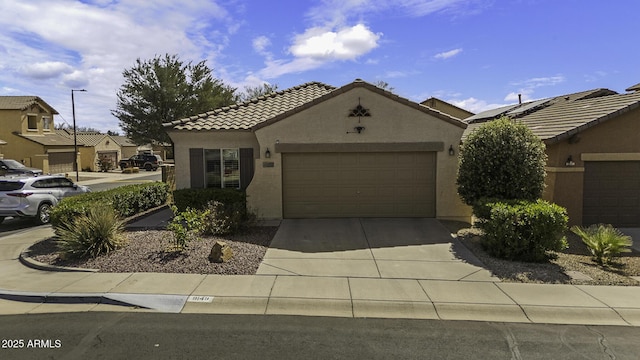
{"x": 94, "y": 147}
{"x": 447, "y": 108}
{"x": 127, "y": 147}
{"x": 315, "y": 151}
{"x": 27, "y": 127}
{"x": 593, "y": 148}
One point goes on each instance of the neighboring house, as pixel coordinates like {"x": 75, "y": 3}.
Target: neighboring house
{"x": 94, "y": 147}
{"x": 27, "y": 126}
{"x": 127, "y": 147}
{"x": 593, "y": 149}
{"x": 447, "y": 108}
{"x": 317, "y": 151}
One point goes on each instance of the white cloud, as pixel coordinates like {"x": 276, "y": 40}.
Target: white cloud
{"x": 345, "y": 44}
{"x": 526, "y": 88}
{"x": 448, "y": 54}
{"x": 338, "y": 12}
{"x": 319, "y": 46}
{"x": 261, "y": 43}
{"x": 541, "y": 81}
{"x": 474, "y": 105}
{"x": 46, "y": 70}
{"x": 88, "y": 44}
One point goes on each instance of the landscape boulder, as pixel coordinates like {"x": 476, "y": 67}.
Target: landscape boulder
{"x": 220, "y": 252}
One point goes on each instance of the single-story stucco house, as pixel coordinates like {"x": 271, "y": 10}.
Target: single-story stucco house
{"x": 592, "y": 142}
{"x": 316, "y": 151}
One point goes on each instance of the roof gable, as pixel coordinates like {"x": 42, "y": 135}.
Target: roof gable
{"x": 23, "y": 103}
{"x": 265, "y": 110}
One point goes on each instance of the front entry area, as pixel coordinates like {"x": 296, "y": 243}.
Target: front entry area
{"x": 359, "y": 184}
{"x": 387, "y": 248}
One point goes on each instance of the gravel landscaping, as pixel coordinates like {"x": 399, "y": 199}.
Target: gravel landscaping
{"x": 571, "y": 266}
{"x": 149, "y": 251}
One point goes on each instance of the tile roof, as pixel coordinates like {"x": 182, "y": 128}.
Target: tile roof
{"x": 83, "y": 138}
{"x": 519, "y": 110}
{"x": 635, "y": 87}
{"x": 22, "y": 103}
{"x": 245, "y": 115}
{"x": 564, "y": 119}
{"x": 52, "y": 139}
{"x": 262, "y": 111}
{"x": 123, "y": 141}
{"x": 567, "y": 116}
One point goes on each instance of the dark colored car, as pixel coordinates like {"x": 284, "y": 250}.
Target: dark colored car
{"x": 143, "y": 161}
{"x": 12, "y": 167}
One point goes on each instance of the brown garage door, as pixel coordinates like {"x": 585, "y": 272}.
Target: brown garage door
{"x": 395, "y": 184}
{"x": 612, "y": 193}
{"x": 60, "y": 162}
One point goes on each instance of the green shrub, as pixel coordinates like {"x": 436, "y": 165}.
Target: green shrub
{"x": 524, "y": 230}
{"x": 603, "y": 241}
{"x": 97, "y": 232}
{"x": 186, "y": 226}
{"x": 227, "y": 219}
{"x": 501, "y": 159}
{"x": 125, "y": 200}
{"x": 200, "y": 198}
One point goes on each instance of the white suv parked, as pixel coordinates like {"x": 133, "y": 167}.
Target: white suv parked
{"x": 33, "y": 196}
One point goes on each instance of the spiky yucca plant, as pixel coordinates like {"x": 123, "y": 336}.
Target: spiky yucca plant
{"x": 603, "y": 241}
{"x": 97, "y": 232}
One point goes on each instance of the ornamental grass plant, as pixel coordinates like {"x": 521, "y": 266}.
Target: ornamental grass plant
{"x": 97, "y": 232}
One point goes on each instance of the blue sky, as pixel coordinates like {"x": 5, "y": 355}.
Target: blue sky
{"x": 477, "y": 54}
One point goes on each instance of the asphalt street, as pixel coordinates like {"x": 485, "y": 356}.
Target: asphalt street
{"x": 184, "y": 336}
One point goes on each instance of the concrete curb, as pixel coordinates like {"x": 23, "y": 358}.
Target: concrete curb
{"x": 29, "y": 262}
{"x": 55, "y": 298}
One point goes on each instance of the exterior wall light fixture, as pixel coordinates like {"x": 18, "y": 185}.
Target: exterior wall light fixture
{"x": 267, "y": 153}
{"x": 451, "y": 150}
{"x": 570, "y": 161}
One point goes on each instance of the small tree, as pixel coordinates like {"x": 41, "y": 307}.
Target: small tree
{"x": 251, "y": 92}
{"x": 502, "y": 160}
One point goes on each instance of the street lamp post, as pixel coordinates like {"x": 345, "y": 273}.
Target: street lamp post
{"x": 75, "y": 139}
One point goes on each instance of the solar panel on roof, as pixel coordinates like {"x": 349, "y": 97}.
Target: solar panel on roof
{"x": 527, "y": 107}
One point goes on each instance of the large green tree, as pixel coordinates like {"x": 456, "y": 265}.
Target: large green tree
{"x": 165, "y": 89}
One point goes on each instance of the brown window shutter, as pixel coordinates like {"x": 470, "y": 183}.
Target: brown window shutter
{"x": 246, "y": 167}
{"x": 196, "y": 166}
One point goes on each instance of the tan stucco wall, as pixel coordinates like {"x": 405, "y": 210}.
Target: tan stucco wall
{"x": 89, "y": 155}
{"x": 185, "y": 140}
{"x": 328, "y": 122}
{"x": 18, "y": 148}
{"x": 620, "y": 135}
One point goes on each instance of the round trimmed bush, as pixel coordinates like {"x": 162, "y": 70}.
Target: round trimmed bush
{"x": 501, "y": 160}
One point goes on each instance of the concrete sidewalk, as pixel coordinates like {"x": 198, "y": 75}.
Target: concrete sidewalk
{"x": 26, "y": 290}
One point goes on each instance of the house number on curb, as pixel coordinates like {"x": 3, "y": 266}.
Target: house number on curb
{"x": 200, "y": 299}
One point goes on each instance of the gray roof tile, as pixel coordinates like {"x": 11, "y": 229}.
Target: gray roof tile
{"x": 567, "y": 116}
{"x": 245, "y": 115}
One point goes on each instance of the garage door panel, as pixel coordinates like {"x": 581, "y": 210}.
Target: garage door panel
{"x": 611, "y": 193}
{"x": 364, "y": 184}
{"x": 61, "y": 162}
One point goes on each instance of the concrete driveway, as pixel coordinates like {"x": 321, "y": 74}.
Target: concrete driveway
{"x": 406, "y": 248}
